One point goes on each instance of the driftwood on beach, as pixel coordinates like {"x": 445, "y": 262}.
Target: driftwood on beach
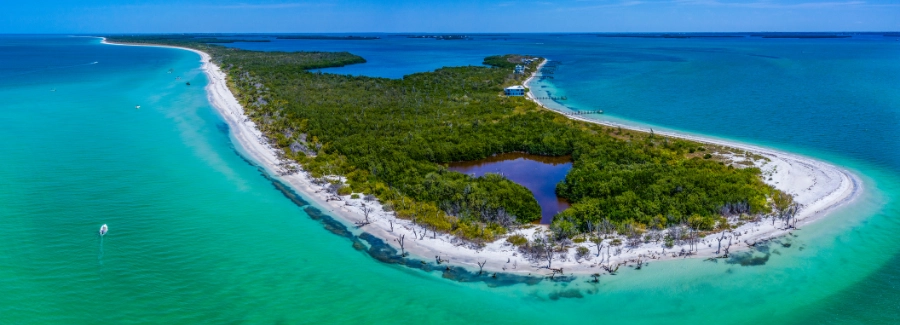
{"x": 782, "y": 222}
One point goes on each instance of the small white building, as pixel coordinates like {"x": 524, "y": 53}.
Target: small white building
{"x": 514, "y": 91}
{"x": 520, "y": 68}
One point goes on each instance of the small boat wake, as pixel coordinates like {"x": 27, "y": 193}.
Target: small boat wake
{"x": 103, "y": 230}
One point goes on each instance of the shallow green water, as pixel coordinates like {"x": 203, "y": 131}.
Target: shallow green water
{"x": 197, "y": 235}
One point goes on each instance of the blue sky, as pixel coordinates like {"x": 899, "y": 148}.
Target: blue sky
{"x": 126, "y": 16}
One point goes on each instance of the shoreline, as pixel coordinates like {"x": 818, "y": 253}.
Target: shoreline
{"x": 849, "y": 187}
{"x": 820, "y": 188}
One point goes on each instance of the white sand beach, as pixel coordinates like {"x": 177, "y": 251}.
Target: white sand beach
{"x": 817, "y": 186}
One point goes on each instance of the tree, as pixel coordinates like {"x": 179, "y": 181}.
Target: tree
{"x": 481, "y": 266}
{"x": 720, "y": 239}
{"x": 582, "y": 252}
{"x": 389, "y": 138}
{"x": 366, "y": 210}
{"x": 399, "y": 240}
{"x": 783, "y": 204}
{"x": 549, "y": 253}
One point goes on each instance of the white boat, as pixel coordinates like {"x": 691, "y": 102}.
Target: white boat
{"x": 103, "y": 229}
{"x": 137, "y": 107}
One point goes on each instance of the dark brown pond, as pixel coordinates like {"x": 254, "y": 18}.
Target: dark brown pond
{"x": 539, "y": 174}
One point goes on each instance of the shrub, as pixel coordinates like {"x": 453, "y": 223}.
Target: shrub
{"x": 670, "y": 241}
{"x": 581, "y": 252}
{"x": 517, "y": 240}
{"x": 354, "y": 196}
{"x": 627, "y": 178}
{"x": 707, "y": 156}
{"x": 563, "y": 228}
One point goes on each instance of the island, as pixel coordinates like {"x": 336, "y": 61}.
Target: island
{"x": 441, "y": 37}
{"x": 376, "y": 153}
{"x": 329, "y": 37}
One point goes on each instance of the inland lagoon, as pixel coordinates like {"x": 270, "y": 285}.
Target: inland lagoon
{"x": 199, "y": 234}
{"x": 539, "y": 174}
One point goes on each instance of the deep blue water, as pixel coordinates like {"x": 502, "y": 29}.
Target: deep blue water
{"x": 834, "y": 99}
{"x": 805, "y": 94}
{"x": 197, "y": 235}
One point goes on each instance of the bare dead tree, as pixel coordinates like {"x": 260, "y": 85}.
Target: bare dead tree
{"x": 608, "y": 256}
{"x": 481, "y": 266}
{"x": 598, "y": 241}
{"x": 596, "y": 277}
{"x": 555, "y": 271}
{"x": 612, "y": 270}
{"x": 791, "y": 215}
{"x": 399, "y": 240}
{"x": 728, "y": 248}
{"x": 366, "y": 210}
{"x": 599, "y": 245}
{"x": 720, "y": 239}
{"x": 549, "y": 254}
{"x": 606, "y": 226}
{"x": 690, "y": 238}
{"x": 391, "y": 222}
{"x": 796, "y": 208}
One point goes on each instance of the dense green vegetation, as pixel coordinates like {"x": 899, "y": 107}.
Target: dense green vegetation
{"x": 503, "y": 61}
{"x": 390, "y": 137}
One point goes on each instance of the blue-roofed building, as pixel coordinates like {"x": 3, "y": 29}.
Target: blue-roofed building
{"x": 520, "y": 68}
{"x": 514, "y": 91}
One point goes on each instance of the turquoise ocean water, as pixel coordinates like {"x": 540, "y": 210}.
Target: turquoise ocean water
{"x": 198, "y": 235}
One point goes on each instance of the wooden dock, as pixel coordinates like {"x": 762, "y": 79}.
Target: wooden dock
{"x": 585, "y": 112}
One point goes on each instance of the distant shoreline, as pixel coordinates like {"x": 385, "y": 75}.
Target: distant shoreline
{"x": 820, "y": 188}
